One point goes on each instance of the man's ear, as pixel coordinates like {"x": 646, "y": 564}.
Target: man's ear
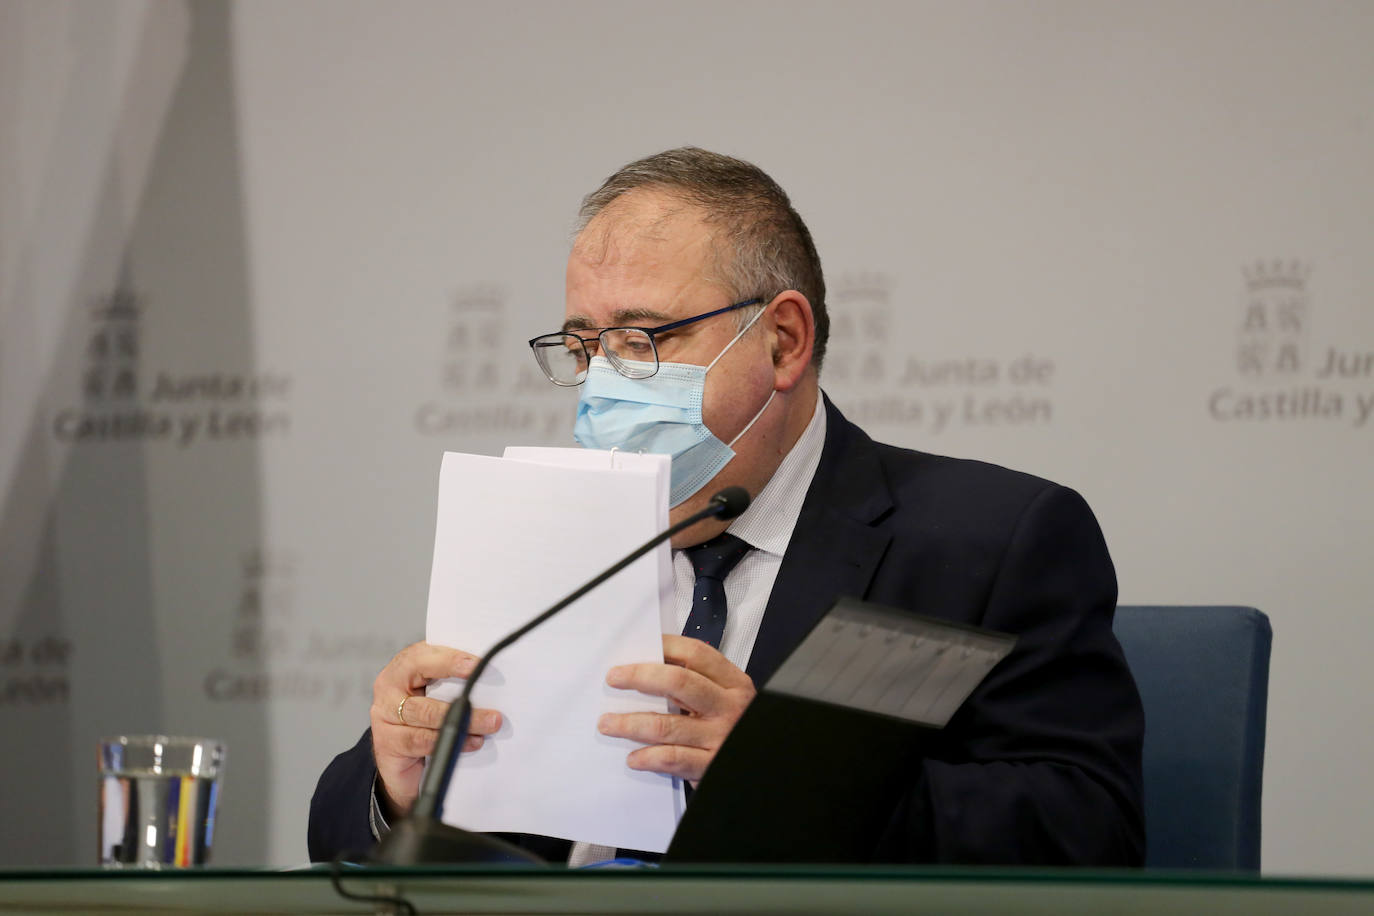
{"x": 794, "y": 337}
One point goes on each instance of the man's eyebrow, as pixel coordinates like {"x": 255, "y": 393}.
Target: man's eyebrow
{"x": 619, "y": 318}
{"x": 637, "y": 316}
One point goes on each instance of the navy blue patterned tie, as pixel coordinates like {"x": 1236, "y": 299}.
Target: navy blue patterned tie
{"x": 711, "y": 562}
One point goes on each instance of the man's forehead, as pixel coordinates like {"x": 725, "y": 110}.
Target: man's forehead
{"x": 629, "y": 298}
{"x": 642, "y": 223}
{"x": 636, "y": 262}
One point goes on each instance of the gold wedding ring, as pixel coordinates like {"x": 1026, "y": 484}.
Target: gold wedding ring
{"x": 401, "y": 709}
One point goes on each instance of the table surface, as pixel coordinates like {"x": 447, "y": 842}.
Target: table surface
{"x": 679, "y": 890}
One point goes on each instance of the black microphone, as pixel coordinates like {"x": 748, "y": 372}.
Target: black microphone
{"x": 732, "y": 502}
{"x": 422, "y": 838}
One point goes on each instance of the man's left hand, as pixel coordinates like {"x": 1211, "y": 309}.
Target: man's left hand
{"x": 711, "y": 692}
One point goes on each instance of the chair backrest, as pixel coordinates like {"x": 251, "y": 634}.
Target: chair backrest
{"x": 1203, "y": 674}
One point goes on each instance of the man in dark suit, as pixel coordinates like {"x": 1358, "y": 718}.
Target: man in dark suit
{"x": 695, "y": 318}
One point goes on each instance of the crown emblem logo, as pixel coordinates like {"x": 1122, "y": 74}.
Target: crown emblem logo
{"x": 1276, "y": 274}
{"x": 112, "y": 350}
{"x": 474, "y": 333}
{"x": 1274, "y": 314}
{"x": 478, "y": 299}
{"x": 861, "y": 286}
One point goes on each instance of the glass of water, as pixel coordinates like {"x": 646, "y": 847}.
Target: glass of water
{"x": 157, "y": 800}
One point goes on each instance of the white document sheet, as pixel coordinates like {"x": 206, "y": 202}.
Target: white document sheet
{"x": 592, "y": 459}
{"x": 512, "y": 538}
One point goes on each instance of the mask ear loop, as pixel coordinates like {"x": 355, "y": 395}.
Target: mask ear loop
{"x": 771, "y": 394}
{"x": 743, "y": 331}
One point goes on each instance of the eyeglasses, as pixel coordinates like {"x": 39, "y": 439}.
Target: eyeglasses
{"x": 564, "y": 356}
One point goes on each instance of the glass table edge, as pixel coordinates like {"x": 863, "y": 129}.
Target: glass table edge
{"x": 874, "y": 873}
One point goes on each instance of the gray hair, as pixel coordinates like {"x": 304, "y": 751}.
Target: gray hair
{"x": 767, "y": 248}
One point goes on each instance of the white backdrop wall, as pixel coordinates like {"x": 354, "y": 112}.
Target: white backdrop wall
{"x": 260, "y": 263}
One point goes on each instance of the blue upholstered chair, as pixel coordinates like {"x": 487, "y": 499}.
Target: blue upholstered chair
{"x": 1203, "y": 674}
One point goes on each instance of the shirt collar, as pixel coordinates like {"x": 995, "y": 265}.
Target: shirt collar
{"x": 772, "y": 514}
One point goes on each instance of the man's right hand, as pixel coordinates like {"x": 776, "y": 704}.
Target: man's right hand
{"x": 400, "y": 747}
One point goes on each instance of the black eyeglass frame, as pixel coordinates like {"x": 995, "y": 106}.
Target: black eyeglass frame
{"x": 651, "y": 333}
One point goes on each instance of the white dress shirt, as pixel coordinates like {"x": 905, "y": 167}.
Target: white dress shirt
{"x": 767, "y": 527}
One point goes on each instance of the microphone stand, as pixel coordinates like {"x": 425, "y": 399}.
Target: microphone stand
{"x": 422, "y": 838}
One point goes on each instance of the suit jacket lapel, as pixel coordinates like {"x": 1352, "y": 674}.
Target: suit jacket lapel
{"x": 835, "y": 548}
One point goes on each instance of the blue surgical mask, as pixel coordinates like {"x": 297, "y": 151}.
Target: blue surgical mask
{"x": 660, "y": 414}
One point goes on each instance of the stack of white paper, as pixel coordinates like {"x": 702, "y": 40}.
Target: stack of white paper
{"x": 514, "y": 535}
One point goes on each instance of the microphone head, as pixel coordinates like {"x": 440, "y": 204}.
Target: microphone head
{"x": 732, "y": 501}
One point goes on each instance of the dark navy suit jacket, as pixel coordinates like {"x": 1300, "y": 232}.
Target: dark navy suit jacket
{"x": 1042, "y": 764}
